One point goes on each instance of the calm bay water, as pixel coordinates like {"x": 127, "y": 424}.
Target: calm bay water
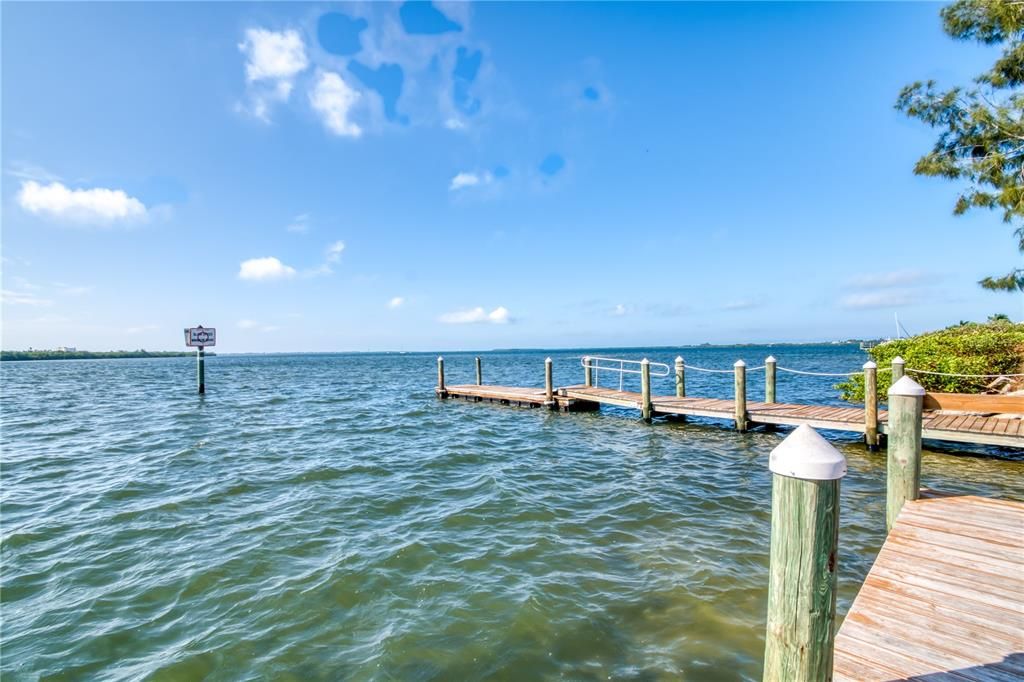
{"x": 325, "y": 517}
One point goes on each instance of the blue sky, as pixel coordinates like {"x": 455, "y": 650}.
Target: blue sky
{"x": 355, "y": 177}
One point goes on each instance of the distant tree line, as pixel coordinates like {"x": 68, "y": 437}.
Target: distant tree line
{"x": 89, "y": 355}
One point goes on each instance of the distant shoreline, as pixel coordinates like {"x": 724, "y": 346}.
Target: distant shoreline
{"x": 29, "y": 355}
{"x": 23, "y": 355}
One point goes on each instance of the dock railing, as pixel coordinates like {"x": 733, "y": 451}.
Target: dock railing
{"x": 592, "y": 364}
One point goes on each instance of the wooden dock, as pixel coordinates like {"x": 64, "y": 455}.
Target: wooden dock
{"x": 960, "y": 428}
{"x": 944, "y": 599}
{"x": 517, "y": 396}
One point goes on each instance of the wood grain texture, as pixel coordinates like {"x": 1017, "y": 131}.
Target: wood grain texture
{"x": 944, "y": 599}
{"x": 966, "y": 402}
{"x": 802, "y": 582}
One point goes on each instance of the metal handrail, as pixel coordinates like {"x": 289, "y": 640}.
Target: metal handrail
{"x": 621, "y": 368}
{"x": 594, "y": 362}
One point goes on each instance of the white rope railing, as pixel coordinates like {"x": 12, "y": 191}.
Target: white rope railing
{"x": 712, "y": 371}
{"x": 827, "y": 374}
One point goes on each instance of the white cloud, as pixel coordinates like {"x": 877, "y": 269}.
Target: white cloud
{"x": 273, "y": 60}
{"x": 272, "y": 55}
{"x": 879, "y": 299}
{"x": 79, "y": 205}
{"x": 247, "y": 324}
{"x": 619, "y": 310}
{"x": 881, "y": 280}
{"x": 454, "y": 123}
{"x": 334, "y": 251}
{"x": 333, "y": 99}
{"x": 499, "y": 315}
{"x": 468, "y": 179}
{"x": 142, "y": 328}
{"x": 21, "y": 298}
{"x": 299, "y": 223}
{"x": 264, "y": 268}
{"x": 396, "y": 302}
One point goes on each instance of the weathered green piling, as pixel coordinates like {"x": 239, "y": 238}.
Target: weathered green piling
{"x": 800, "y": 640}
{"x": 741, "y": 395}
{"x": 770, "y": 365}
{"x": 201, "y": 369}
{"x": 549, "y": 386}
{"x": 899, "y": 368}
{"x": 588, "y": 372}
{"x": 646, "y": 407}
{"x": 441, "y": 392}
{"x": 903, "y": 479}
{"x": 871, "y": 405}
{"x": 680, "y": 377}
{"x": 479, "y": 372}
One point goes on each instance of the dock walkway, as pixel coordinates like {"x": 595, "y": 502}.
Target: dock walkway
{"x": 944, "y": 599}
{"x": 961, "y": 428}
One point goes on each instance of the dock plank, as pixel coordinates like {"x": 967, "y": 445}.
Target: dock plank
{"x": 1008, "y": 432}
{"x": 943, "y": 599}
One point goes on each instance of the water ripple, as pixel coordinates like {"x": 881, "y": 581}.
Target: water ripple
{"x": 325, "y": 517}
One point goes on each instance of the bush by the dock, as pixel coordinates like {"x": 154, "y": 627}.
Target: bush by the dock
{"x": 995, "y": 347}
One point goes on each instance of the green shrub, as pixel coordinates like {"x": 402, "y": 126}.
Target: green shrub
{"x": 996, "y": 347}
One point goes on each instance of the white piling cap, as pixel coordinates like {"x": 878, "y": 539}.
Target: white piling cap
{"x": 547, "y": 359}
{"x": 739, "y": 363}
{"x": 679, "y": 359}
{"x": 804, "y": 454}
{"x": 906, "y": 386}
{"x": 770, "y": 358}
{"x": 645, "y": 361}
{"x": 870, "y": 364}
{"x": 898, "y": 361}
{"x": 440, "y": 358}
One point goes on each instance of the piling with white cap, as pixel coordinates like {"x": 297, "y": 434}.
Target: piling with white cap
{"x": 770, "y": 363}
{"x": 903, "y": 471}
{"x": 680, "y": 377}
{"x": 740, "y": 386}
{"x": 588, "y": 372}
{"x": 549, "y": 386}
{"x": 871, "y": 405}
{"x": 899, "y": 368}
{"x": 441, "y": 392}
{"x": 479, "y": 372}
{"x": 800, "y": 640}
{"x": 646, "y": 406}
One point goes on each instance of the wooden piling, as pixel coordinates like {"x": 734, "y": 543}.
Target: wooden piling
{"x": 770, "y": 365}
{"x": 646, "y": 407}
{"x": 680, "y": 377}
{"x": 479, "y": 372}
{"x": 800, "y": 638}
{"x": 588, "y": 372}
{"x": 903, "y": 471}
{"x": 549, "y": 386}
{"x": 898, "y": 368}
{"x": 871, "y": 405}
{"x": 441, "y": 393}
{"x": 201, "y": 369}
{"x": 741, "y": 395}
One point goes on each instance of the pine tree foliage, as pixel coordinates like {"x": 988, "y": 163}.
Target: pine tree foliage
{"x": 981, "y": 127}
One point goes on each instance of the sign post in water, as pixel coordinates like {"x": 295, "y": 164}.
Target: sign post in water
{"x": 200, "y": 337}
